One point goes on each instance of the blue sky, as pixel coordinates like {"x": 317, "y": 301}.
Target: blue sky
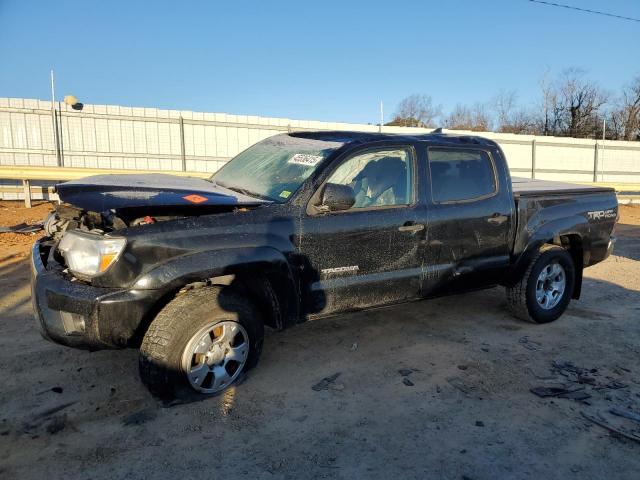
{"x": 324, "y": 60}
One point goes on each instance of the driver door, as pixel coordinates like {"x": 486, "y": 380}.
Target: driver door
{"x": 368, "y": 254}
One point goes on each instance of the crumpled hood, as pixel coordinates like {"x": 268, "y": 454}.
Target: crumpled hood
{"x": 100, "y": 193}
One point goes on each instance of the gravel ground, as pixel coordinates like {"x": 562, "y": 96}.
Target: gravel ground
{"x": 14, "y": 213}
{"x": 434, "y": 389}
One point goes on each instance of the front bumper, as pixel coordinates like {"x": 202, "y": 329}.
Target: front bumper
{"x": 82, "y": 316}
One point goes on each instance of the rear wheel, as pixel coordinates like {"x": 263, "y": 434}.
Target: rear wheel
{"x": 544, "y": 291}
{"x": 200, "y": 343}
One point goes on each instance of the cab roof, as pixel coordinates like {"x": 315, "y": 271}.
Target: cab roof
{"x": 354, "y": 137}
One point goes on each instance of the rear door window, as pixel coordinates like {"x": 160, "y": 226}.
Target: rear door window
{"x": 461, "y": 174}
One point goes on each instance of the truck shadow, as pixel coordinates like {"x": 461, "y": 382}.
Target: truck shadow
{"x": 628, "y": 241}
{"x": 274, "y": 278}
{"x": 302, "y": 355}
{"x": 14, "y": 275}
{"x": 486, "y": 309}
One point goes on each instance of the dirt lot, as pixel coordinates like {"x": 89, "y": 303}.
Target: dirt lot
{"x": 435, "y": 389}
{"x": 14, "y": 213}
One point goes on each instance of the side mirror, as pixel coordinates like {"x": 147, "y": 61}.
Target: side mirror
{"x": 337, "y": 197}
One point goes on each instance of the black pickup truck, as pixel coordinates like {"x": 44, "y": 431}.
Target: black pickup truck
{"x": 300, "y": 226}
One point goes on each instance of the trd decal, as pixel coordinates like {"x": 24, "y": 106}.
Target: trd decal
{"x": 602, "y": 214}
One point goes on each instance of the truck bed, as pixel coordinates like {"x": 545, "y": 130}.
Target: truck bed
{"x": 530, "y": 187}
{"x": 543, "y": 207}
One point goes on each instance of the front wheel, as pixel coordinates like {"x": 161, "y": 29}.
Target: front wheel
{"x": 200, "y": 343}
{"x": 544, "y": 291}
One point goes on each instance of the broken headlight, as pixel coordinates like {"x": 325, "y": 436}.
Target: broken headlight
{"x": 90, "y": 254}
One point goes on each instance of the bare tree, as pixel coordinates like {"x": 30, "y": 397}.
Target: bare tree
{"x": 615, "y": 124}
{"x": 416, "y": 111}
{"x": 571, "y": 105}
{"x": 510, "y": 117}
{"x": 549, "y": 119}
{"x": 624, "y": 119}
{"x": 579, "y": 102}
{"x": 473, "y": 118}
{"x": 504, "y": 103}
{"x": 521, "y": 122}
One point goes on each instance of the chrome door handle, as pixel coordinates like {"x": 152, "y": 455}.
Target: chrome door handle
{"x": 411, "y": 227}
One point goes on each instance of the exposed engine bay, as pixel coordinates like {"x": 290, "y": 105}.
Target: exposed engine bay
{"x": 107, "y": 203}
{"x": 67, "y": 217}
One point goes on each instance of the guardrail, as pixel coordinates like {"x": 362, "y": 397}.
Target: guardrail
{"x": 59, "y": 174}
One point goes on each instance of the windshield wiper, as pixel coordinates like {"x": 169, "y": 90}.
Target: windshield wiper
{"x": 247, "y": 192}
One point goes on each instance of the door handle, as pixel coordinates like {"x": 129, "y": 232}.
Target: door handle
{"x": 411, "y": 227}
{"x": 497, "y": 219}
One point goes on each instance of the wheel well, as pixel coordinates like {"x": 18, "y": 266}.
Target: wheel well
{"x": 570, "y": 242}
{"x": 267, "y": 288}
{"x": 261, "y": 289}
{"x": 266, "y": 285}
{"x": 573, "y": 244}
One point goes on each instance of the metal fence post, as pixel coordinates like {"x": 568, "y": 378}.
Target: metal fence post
{"x": 595, "y": 164}
{"x": 56, "y": 137}
{"x": 61, "y": 135}
{"x": 533, "y": 158}
{"x": 26, "y": 186}
{"x": 183, "y": 155}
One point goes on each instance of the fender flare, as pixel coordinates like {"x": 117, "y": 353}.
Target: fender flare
{"x": 570, "y": 226}
{"x": 174, "y": 274}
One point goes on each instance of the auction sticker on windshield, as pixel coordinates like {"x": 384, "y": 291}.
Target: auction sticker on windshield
{"x": 305, "y": 159}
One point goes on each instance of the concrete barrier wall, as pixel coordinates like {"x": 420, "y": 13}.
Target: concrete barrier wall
{"x": 111, "y": 136}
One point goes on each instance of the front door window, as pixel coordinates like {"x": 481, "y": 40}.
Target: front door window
{"x": 378, "y": 178}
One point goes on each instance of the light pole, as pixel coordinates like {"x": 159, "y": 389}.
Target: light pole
{"x": 604, "y": 132}
{"x": 54, "y": 116}
{"x": 73, "y": 102}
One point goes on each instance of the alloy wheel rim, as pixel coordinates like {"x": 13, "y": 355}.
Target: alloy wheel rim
{"x": 550, "y": 285}
{"x": 215, "y": 356}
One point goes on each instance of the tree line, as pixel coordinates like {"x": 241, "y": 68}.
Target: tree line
{"x": 569, "y": 105}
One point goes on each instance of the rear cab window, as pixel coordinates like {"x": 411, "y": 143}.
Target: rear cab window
{"x": 461, "y": 174}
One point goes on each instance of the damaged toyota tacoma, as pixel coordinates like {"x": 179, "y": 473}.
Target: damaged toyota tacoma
{"x": 301, "y": 226}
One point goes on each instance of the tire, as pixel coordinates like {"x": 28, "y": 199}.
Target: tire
{"x": 213, "y": 320}
{"x": 523, "y": 297}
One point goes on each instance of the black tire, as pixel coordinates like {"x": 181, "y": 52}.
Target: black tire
{"x": 160, "y": 360}
{"x": 521, "y": 297}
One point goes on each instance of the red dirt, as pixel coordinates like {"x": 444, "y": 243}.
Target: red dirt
{"x": 14, "y": 213}
{"x": 630, "y": 214}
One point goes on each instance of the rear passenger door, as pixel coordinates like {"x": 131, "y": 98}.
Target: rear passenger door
{"x": 469, "y": 220}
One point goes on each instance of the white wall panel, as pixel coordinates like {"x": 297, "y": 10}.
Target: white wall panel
{"x": 139, "y": 137}
{"x": 88, "y": 126}
{"x": 102, "y": 135}
{"x": 112, "y": 136}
